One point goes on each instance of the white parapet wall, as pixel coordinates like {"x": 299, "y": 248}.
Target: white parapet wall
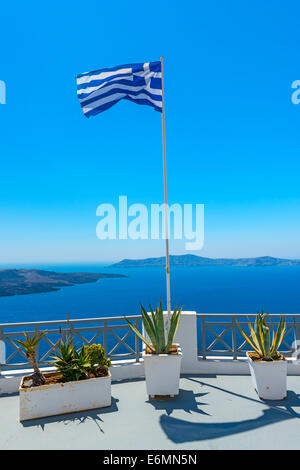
{"x": 187, "y": 337}
{"x": 130, "y": 370}
{"x": 121, "y": 370}
{"x": 190, "y": 364}
{"x": 2, "y": 353}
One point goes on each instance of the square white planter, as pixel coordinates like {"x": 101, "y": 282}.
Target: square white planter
{"x": 61, "y": 398}
{"x": 162, "y": 372}
{"x": 269, "y": 378}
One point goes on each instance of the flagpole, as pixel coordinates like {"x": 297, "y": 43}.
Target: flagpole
{"x": 166, "y": 200}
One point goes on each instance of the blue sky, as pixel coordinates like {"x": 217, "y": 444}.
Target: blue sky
{"x": 232, "y": 131}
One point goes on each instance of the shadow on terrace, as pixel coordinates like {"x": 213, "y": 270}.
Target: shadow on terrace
{"x": 180, "y": 431}
{"x": 76, "y": 418}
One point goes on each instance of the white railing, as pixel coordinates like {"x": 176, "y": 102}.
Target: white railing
{"x": 112, "y": 332}
{"x": 217, "y": 335}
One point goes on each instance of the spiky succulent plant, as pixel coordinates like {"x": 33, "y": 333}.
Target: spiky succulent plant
{"x": 154, "y": 325}
{"x": 260, "y": 337}
{"x": 73, "y": 364}
{"x": 29, "y": 345}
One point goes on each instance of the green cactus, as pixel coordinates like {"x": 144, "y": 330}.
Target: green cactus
{"x": 96, "y": 355}
{"x": 155, "y": 328}
{"x": 261, "y": 338}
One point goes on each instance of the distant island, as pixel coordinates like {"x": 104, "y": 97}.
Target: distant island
{"x": 35, "y": 281}
{"x": 193, "y": 260}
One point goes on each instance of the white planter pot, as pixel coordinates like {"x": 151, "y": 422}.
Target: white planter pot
{"x": 269, "y": 378}
{"x": 61, "y": 398}
{"x": 162, "y": 373}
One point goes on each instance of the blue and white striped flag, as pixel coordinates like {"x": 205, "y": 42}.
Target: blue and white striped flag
{"x": 101, "y": 89}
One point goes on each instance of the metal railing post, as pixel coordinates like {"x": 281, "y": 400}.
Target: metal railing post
{"x": 137, "y": 342}
{"x": 296, "y": 333}
{"x": 2, "y": 351}
{"x": 105, "y": 336}
{"x": 203, "y": 337}
{"x": 37, "y": 349}
{"x": 234, "y": 345}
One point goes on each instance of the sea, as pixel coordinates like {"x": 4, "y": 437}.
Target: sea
{"x": 209, "y": 289}
{"x": 204, "y": 289}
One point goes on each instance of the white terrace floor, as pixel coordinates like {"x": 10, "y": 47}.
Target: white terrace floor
{"x": 213, "y": 412}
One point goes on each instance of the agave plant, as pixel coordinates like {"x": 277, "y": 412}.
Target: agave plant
{"x": 71, "y": 363}
{"x": 29, "y": 344}
{"x": 261, "y": 338}
{"x": 155, "y": 327}
{"x": 76, "y": 364}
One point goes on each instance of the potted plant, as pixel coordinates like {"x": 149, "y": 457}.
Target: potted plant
{"x": 268, "y": 367}
{"x": 81, "y": 381}
{"x": 162, "y": 358}
{"x": 29, "y": 345}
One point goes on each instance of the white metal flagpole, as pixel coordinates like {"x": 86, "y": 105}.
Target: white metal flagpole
{"x": 166, "y": 200}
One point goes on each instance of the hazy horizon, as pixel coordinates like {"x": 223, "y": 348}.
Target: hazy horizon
{"x": 101, "y": 263}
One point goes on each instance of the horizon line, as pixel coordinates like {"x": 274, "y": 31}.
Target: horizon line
{"x": 108, "y": 263}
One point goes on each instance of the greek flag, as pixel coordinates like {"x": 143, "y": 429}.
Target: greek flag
{"x": 101, "y": 89}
